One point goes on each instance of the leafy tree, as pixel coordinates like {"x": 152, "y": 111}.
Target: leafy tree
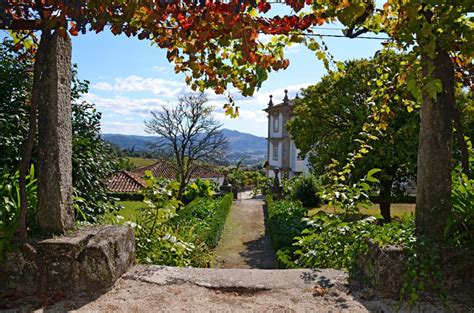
{"x": 218, "y": 44}
{"x": 93, "y": 159}
{"x": 331, "y": 115}
{"x": 440, "y": 37}
{"x": 15, "y": 88}
{"x": 189, "y": 134}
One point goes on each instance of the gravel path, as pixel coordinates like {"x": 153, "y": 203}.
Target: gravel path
{"x": 244, "y": 243}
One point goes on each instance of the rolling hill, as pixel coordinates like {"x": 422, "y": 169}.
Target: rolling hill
{"x": 242, "y": 145}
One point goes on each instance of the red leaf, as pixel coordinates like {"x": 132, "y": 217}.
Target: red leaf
{"x": 320, "y": 21}
{"x": 264, "y": 6}
{"x": 73, "y": 30}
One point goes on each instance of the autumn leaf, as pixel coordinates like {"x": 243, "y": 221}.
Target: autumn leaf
{"x": 263, "y": 6}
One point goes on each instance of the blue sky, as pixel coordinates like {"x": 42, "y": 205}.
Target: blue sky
{"x": 129, "y": 78}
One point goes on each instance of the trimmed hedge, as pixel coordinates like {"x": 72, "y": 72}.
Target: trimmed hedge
{"x": 284, "y": 221}
{"x": 206, "y": 217}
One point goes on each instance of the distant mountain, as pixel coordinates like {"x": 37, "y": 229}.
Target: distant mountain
{"x": 241, "y": 144}
{"x": 135, "y": 142}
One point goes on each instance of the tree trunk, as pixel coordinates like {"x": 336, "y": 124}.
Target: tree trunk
{"x": 182, "y": 187}
{"x": 39, "y": 68}
{"x": 385, "y": 199}
{"x": 433, "y": 199}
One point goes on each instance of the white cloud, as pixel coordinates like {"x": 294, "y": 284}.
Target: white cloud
{"x": 103, "y": 86}
{"x": 134, "y": 83}
{"x": 159, "y": 69}
{"x": 132, "y": 111}
{"x": 123, "y": 128}
{"x": 124, "y": 106}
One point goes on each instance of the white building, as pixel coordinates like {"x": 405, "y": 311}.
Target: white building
{"x": 281, "y": 150}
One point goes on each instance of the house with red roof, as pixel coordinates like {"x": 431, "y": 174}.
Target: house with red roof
{"x": 132, "y": 181}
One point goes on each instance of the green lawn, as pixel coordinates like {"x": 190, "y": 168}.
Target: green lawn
{"x": 396, "y": 209}
{"x": 130, "y": 210}
{"x": 139, "y": 162}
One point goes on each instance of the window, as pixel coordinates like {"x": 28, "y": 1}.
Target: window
{"x": 276, "y": 123}
{"x": 275, "y": 152}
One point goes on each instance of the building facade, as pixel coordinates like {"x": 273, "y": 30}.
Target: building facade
{"x": 282, "y": 153}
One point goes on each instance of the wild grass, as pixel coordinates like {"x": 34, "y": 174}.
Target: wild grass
{"x": 396, "y": 210}
{"x": 140, "y": 162}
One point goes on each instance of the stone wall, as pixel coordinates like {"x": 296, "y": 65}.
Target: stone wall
{"x": 91, "y": 259}
{"x": 383, "y": 268}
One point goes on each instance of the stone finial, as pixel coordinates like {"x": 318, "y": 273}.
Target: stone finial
{"x": 285, "y": 99}
{"x": 270, "y": 103}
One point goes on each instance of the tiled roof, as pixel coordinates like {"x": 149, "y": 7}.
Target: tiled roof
{"x": 201, "y": 171}
{"x": 124, "y": 181}
{"x": 167, "y": 170}
{"x": 159, "y": 169}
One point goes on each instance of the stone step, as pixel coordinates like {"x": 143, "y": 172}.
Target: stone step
{"x": 252, "y": 279}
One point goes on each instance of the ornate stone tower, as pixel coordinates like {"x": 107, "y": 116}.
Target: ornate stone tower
{"x": 281, "y": 151}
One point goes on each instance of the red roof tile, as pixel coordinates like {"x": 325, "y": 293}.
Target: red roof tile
{"x": 161, "y": 169}
{"x": 124, "y": 181}
{"x": 167, "y": 170}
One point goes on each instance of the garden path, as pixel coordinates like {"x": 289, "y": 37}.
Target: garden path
{"x": 244, "y": 243}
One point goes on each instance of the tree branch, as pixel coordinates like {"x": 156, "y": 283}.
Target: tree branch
{"x": 22, "y": 25}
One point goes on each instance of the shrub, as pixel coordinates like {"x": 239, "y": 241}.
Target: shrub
{"x": 207, "y": 218}
{"x": 156, "y": 241}
{"x": 305, "y": 189}
{"x": 10, "y": 207}
{"x": 178, "y": 239}
{"x": 460, "y": 227}
{"x": 284, "y": 221}
{"x": 199, "y": 189}
{"x": 330, "y": 240}
{"x": 459, "y": 231}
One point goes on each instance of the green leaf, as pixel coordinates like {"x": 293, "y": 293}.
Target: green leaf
{"x": 371, "y": 173}
{"x": 433, "y": 87}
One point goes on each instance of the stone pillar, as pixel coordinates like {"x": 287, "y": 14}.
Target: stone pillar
{"x": 55, "y": 211}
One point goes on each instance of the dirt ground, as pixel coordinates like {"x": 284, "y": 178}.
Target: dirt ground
{"x": 244, "y": 243}
{"x": 244, "y": 281}
{"x": 167, "y": 289}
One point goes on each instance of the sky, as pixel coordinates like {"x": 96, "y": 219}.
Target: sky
{"x": 129, "y": 78}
